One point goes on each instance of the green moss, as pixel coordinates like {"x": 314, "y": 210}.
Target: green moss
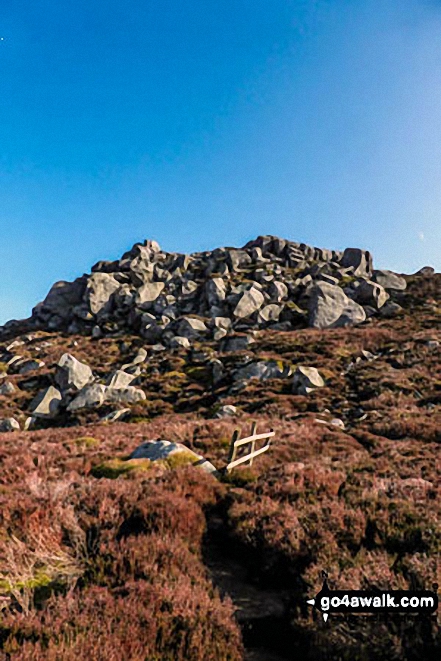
{"x": 179, "y": 459}
{"x": 86, "y": 441}
{"x": 3, "y": 367}
{"x": 40, "y": 579}
{"x": 240, "y": 477}
{"x": 113, "y": 468}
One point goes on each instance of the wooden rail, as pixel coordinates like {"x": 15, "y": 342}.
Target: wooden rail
{"x": 237, "y": 442}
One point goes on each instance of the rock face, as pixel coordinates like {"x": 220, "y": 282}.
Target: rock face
{"x": 269, "y": 283}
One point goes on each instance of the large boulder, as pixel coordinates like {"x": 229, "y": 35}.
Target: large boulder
{"x": 329, "y": 307}
{"x": 370, "y": 293}
{"x": 389, "y": 280}
{"x": 148, "y": 294}
{"x": 91, "y": 396}
{"x": 46, "y": 403}
{"x": 99, "y": 290}
{"x": 189, "y": 327}
{"x": 249, "y": 302}
{"x": 71, "y": 373}
{"x": 215, "y": 291}
{"x": 360, "y": 260}
{"x": 62, "y": 297}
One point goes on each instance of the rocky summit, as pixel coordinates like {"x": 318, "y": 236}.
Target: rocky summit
{"x": 269, "y": 283}
{"x": 119, "y": 399}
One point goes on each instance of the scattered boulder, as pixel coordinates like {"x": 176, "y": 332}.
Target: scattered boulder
{"x": 71, "y": 374}
{"x": 389, "y": 280}
{"x": 179, "y": 342}
{"x": 90, "y": 396}
{"x": 226, "y": 411}
{"x": 120, "y": 379}
{"x": 306, "y": 379}
{"x": 262, "y": 370}
{"x": 127, "y": 395}
{"x": 329, "y": 307}
{"x": 29, "y": 366}
{"x": 359, "y": 260}
{"x": 9, "y": 424}
{"x": 7, "y": 388}
{"x": 249, "y": 302}
{"x": 46, "y": 403}
{"x": 99, "y": 289}
{"x": 190, "y": 327}
{"x": 371, "y": 293}
{"x": 114, "y": 416}
{"x": 148, "y": 294}
{"x": 175, "y": 454}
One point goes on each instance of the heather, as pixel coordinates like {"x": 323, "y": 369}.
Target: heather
{"x": 104, "y": 556}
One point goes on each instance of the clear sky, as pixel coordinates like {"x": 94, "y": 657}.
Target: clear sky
{"x": 203, "y": 123}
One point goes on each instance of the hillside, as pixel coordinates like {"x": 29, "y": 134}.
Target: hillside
{"x": 107, "y": 556}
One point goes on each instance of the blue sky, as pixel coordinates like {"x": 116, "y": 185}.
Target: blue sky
{"x": 203, "y": 123}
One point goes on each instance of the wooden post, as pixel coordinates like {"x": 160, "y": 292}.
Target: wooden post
{"x": 232, "y": 453}
{"x": 253, "y": 443}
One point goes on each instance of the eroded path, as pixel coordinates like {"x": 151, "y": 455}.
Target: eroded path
{"x": 261, "y": 613}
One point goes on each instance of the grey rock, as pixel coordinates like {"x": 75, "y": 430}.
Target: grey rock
{"x": 360, "y": 260}
{"x": 9, "y": 424}
{"x": 99, "y": 289}
{"x": 426, "y": 270}
{"x": 62, "y": 297}
{"x": 178, "y": 342}
{"x": 113, "y": 416}
{"x": 250, "y": 301}
{"x": 189, "y": 327}
{"x": 46, "y": 403}
{"x": 148, "y": 294}
{"x": 226, "y": 411}
{"x": 389, "y": 280}
{"x": 120, "y": 379}
{"x": 7, "y": 388}
{"x": 261, "y": 370}
{"x": 160, "y": 450}
{"x": 390, "y": 309}
{"x": 306, "y": 379}
{"x": 269, "y": 313}
{"x": 215, "y": 291}
{"x": 127, "y": 395}
{"x": 91, "y": 396}
{"x": 72, "y": 373}
{"x": 278, "y": 291}
{"x": 370, "y": 293}
{"x": 30, "y": 366}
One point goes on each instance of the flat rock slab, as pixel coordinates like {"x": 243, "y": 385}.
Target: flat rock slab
{"x": 157, "y": 450}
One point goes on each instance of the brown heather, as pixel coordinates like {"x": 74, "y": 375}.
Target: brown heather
{"x": 105, "y": 570}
